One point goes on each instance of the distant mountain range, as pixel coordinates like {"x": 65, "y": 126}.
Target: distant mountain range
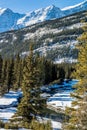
{"x": 11, "y": 21}
{"x": 55, "y": 39}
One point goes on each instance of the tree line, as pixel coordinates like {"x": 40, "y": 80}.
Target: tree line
{"x": 11, "y": 72}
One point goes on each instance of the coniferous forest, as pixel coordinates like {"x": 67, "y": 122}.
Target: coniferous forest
{"x": 43, "y": 73}
{"x": 29, "y": 74}
{"x": 11, "y": 71}
{"x": 33, "y": 71}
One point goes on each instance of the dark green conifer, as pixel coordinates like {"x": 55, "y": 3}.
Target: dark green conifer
{"x": 9, "y": 74}
{"x": 17, "y": 72}
{"x": 78, "y": 112}
{"x": 3, "y": 88}
{"x": 31, "y": 103}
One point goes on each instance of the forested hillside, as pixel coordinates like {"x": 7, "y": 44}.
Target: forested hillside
{"x": 54, "y": 39}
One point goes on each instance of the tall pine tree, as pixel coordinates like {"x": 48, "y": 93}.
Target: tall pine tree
{"x": 17, "y": 72}
{"x": 31, "y": 103}
{"x": 9, "y": 74}
{"x": 3, "y": 88}
{"x": 78, "y": 112}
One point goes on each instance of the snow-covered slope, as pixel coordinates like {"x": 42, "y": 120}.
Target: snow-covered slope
{"x": 76, "y": 8}
{"x": 40, "y": 15}
{"x": 10, "y": 20}
{"x": 8, "y": 105}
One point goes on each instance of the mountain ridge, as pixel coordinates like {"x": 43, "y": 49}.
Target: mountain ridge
{"x": 76, "y": 5}
{"x": 76, "y": 8}
{"x": 13, "y": 21}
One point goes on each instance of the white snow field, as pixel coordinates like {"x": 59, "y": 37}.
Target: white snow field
{"x": 8, "y": 104}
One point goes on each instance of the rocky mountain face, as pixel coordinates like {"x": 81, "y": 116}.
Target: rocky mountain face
{"x": 54, "y": 39}
{"x": 11, "y": 21}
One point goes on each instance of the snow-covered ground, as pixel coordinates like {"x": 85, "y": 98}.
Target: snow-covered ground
{"x": 8, "y": 104}
{"x": 55, "y": 124}
{"x": 58, "y": 97}
{"x": 65, "y": 60}
{"x": 61, "y": 99}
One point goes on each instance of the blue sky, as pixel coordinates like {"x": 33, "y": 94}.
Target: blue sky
{"x": 23, "y": 6}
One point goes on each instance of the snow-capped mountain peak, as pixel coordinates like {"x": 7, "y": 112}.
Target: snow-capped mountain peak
{"x": 5, "y": 10}
{"x": 40, "y": 15}
{"x": 51, "y": 7}
{"x": 2, "y": 11}
{"x": 10, "y": 20}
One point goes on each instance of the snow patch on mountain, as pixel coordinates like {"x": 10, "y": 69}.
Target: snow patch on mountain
{"x": 65, "y": 60}
{"x": 40, "y": 32}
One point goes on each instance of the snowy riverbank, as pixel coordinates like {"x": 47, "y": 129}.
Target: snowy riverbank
{"x": 58, "y": 96}
{"x": 61, "y": 98}
{"x": 8, "y": 105}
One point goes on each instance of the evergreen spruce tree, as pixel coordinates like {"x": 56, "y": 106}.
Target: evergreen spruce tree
{"x": 3, "y": 88}
{"x": 78, "y": 112}
{"x": 60, "y": 73}
{"x": 9, "y": 75}
{"x": 39, "y": 61}
{"x": 17, "y": 72}
{"x": 31, "y": 103}
{"x": 41, "y": 126}
{"x": 48, "y": 71}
